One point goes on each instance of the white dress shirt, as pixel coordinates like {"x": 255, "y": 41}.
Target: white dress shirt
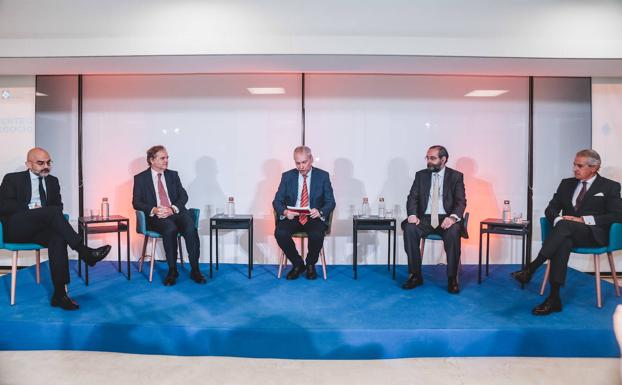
{"x": 35, "y": 198}
{"x": 587, "y": 219}
{"x": 441, "y": 209}
{"x": 300, "y": 181}
{"x": 154, "y": 178}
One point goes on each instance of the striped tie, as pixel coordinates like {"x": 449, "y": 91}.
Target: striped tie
{"x": 304, "y": 200}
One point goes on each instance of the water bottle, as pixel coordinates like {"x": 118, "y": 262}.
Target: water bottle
{"x": 507, "y": 212}
{"x": 105, "y": 208}
{"x": 230, "y": 207}
{"x": 381, "y": 207}
{"x": 365, "y": 208}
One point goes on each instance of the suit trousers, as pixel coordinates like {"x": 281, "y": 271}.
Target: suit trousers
{"x": 169, "y": 227}
{"x": 557, "y": 247}
{"x": 315, "y": 229}
{"x": 412, "y": 241}
{"x": 47, "y": 227}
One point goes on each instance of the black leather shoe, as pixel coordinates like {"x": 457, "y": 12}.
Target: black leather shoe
{"x": 550, "y": 305}
{"x": 311, "y": 273}
{"x": 65, "y": 303}
{"x": 522, "y": 276}
{"x": 295, "y": 272}
{"x": 95, "y": 255}
{"x": 171, "y": 278}
{"x": 413, "y": 281}
{"x": 197, "y": 276}
{"x": 452, "y": 285}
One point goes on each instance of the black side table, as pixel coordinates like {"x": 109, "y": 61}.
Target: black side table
{"x": 374, "y": 222}
{"x": 498, "y": 226}
{"x": 236, "y": 222}
{"x": 93, "y": 225}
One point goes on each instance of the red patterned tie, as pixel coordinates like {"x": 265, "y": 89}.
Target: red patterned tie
{"x": 304, "y": 200}
{"x": 162, "y": 193}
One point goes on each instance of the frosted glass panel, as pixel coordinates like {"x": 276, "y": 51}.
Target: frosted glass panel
{"x": 222, "y": 140}
{"x": 371, "y": 133}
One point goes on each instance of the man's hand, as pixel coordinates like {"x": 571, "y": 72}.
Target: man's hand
{"x": 164, "y": 212}
{"x": 448, "y": 222}
{"x": 314, "y": 213}
{"x": 571, "y": 218}
{"x": 413, "y": 219}
{"x": 290, "y": 214}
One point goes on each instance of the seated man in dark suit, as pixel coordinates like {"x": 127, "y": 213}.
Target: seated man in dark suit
{"x": 435, "y": 204}
{"x": 581, "y": 213}
{"x": 304, "y": 186}
{"x": 31, "y": 211}
{"x": 158, "y": 193}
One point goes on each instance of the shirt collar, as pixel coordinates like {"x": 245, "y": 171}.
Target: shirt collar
{"x": 308, "y": 174}
{"x": 589, "y": 181}
{"x": 441, "y": 173}
{"x": 154, "y": 173}
{"x": 33, "y": 176}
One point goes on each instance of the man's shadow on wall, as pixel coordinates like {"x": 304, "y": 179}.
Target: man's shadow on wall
{"x": 482, "y": 203}
{"x": 349, "y": 193}
{"x": 265, "y": 248}
{"x": 206, "y": 190}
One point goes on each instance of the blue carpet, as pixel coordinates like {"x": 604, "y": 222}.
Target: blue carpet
{"x": 335, "y": 319}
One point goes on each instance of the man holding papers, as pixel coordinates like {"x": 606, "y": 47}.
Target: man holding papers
{"x": 303, "y": 202}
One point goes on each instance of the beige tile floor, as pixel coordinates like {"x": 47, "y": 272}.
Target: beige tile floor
{"x": 94, "y": 368}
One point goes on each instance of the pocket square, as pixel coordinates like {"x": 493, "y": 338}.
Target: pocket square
{"x": 599, "y": 194}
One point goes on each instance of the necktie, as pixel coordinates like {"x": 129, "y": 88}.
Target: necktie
{"x": 304, "y": 200}
{"x": 580, "y": 196}
{"x": 162, "y": 193}
{"x": 42, "y": 196}
{"x": 435, "y": 194}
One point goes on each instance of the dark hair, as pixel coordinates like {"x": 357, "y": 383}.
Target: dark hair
{"x": 151, "y": 153}
{"x": 442, "y": 151}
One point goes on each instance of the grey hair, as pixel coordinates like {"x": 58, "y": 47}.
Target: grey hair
{"x": 593, "y": 159}
{"x": 303, "y": 149}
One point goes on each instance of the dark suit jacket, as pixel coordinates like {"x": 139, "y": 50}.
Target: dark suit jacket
{"x": 320, "y": 192}
{"x": 606, "y": 208}
{"x": 144, "y": 195}
{"x": 16, "y": 192}
{"x": 454, "y": 196}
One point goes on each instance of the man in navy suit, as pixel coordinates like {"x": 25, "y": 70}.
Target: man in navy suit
{"x": 158, "y": 193}
{"x": 581, "y": 213}
{"x": 304, "y": 186}
{"x": 31, "y": 210}
{"x": 435, "y": 204}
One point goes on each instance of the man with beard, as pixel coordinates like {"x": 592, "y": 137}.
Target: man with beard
{"x": 435, "y": 204}
{"x": 31, "y": 211}
{"x": 580, "y": 213}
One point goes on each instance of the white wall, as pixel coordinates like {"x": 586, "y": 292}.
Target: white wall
{"x": 222, "y": 140}
{"x": 372, "y": 132}
{"x": 17, "y": 127}
{"x": 607, "y": 134}
{"x": 476, "y": 28}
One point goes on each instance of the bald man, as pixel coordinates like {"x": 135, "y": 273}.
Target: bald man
{"x": 31, "y": 211}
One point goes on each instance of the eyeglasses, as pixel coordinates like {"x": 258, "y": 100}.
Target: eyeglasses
{"x": 431, "y": 158}
{"x": 43, "y": 162}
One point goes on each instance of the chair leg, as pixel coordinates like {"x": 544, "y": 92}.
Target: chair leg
{"x": 612, "y": 267}
{"x": 282, "y": 264}
{"x": 422, "y": 247}
{"x": 181, "y": 252}
{"x": 599, "y": 301}
{"x": 13, "y": 276}
{"x": 38, "y": 265}
{"x": 323, "y": 256}
{"x": 546, "y": 278}
{"x": 153, "y": 250}
{"x": 142, "y": 255}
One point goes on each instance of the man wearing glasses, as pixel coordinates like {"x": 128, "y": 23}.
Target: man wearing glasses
{"x": 31, "y": 211}
{"x": 435, "y": 204}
